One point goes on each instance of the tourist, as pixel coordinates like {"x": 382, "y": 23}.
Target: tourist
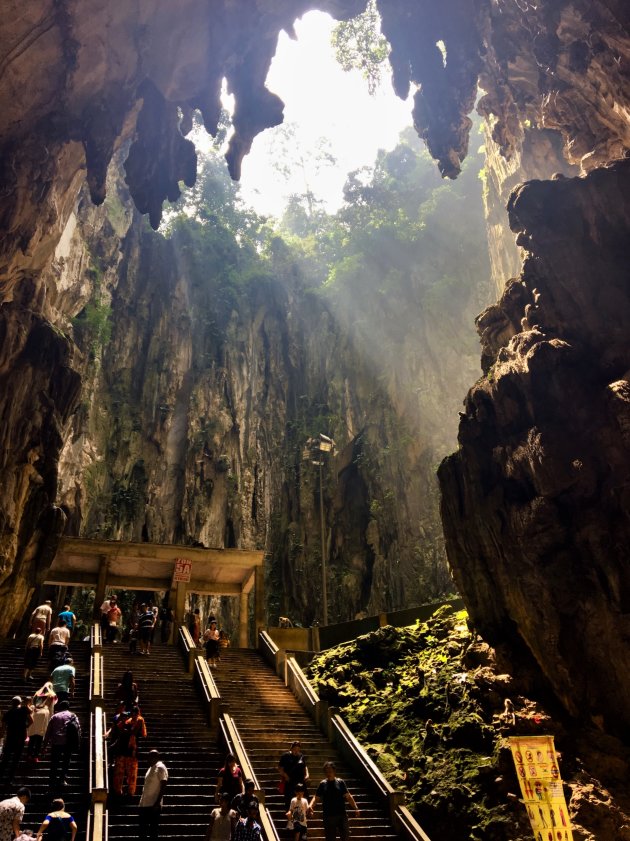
{"x": 229, "y": 778}
{"x": 224, "y": 641}
{"x": 41, "y": 618}
{"x": 154, "y": 609}
{"x": 150, "y": 806}
{"x": 333, "y": 794}
{"x": 32, "y": 652}
{"x": 242, "y": 801}
{"x": 114, "y": 614}
{"x": 58, "y": 641}
{"x": 63, "y": 680}
{"x": 195, "y": 626}
{"x": 69, "y": 618}
{"x": 58, "y": 824}
{"x": 43, "y": 703}
{"x": 11, "y": 814}
{"x": 298, "y": 812}
{"x": 166, "y": 619}
{"x": 211, "y": 644}
{"x": 64, "y": 735}
{"x": 127, "y": 691}
{"x": 248, "y": 829}
{"x": 146, "y": 620}
{"x": 222, "y": 820}
{"x": 113, "y": 733}
{"x": 293, "y": 770}
{"x": 130, "y": 731}
{"x": 15, "y": 723}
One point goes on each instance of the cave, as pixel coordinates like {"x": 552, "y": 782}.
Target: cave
{"x": 97, "y": 104}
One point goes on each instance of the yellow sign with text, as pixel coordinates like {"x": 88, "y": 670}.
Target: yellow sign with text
{"x": 538, "y": 774}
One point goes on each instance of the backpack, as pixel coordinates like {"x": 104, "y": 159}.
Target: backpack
{"x": 73, "y": 734}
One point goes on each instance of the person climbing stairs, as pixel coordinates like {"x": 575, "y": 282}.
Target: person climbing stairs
{"x": 36, "y": 776}
{"x": 269, "y": 719}
{"x": 177, "y": 727}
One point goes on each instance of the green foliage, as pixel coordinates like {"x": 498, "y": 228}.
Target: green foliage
{"x": 410, "y": 697}
{"x": 359, "y": 45}
{"x": 93, "y": 323}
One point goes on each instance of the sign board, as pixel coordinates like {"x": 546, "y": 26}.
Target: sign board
{"x": 537, "y": 770}
{"x": 182, "y": 571}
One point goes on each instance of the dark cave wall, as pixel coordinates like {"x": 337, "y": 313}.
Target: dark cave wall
{"x": 75, "y": 81}
{"x": 535, "y": 502}
{"x": 195, "y": 410}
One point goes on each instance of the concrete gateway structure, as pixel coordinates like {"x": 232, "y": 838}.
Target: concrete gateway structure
{"x": 151, "y": 566}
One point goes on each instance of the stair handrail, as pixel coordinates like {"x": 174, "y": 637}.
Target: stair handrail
{"x": 189, "y": 649}
{"x": 335, "y": 728}
{"x": 303, "y": 690}
{"x": 408, "y": 826}
{"x": 97, "y": 679}
{"x": 98, "y": 756}
{"x": 96, "y": 636}
{"x": 235, "y": 745}
{"x": 211, "y": 693}
{"x": 96, "y": 828}
{"x": 268, "y": 648}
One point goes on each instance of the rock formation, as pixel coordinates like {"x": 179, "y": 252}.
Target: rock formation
{"x": 534, "y": 502}
{"x": 195, "y": 411}
{"x": 79, "y": 82}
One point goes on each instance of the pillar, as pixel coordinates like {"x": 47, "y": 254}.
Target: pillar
{"x": 259, "y": 599}
{"x": 242, "y": 620}
{"x": 180, "y": 602}
{"x": 101, "y": 586}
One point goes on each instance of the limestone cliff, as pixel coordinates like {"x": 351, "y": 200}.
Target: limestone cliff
{"x": 195, "y": 412}
{"x": 535, "y": 501}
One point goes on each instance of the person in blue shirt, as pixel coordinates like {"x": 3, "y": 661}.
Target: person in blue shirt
{"x": 68, "y": 617}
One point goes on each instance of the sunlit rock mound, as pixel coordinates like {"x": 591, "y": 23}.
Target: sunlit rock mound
{"x": 428, "y": 703}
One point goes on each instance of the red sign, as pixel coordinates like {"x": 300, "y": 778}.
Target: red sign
{"x": 183, "y": 570}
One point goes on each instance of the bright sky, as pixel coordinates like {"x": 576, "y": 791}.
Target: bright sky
{"x": 323, "y": 101}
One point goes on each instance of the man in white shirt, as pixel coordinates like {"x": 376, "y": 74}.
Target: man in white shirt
{"x": 40, "y": 618}
{"x": 58, "y": 641}
{"x": 150, "y": 805}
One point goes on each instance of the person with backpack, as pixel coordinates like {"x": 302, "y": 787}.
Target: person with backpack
{"x": 64, "y": 735}
{"x": 43, "y": 704}
{"x": 130, "y": 731}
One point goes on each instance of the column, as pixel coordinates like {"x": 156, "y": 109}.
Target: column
{"x": 101, "y": 586}
{"x": 259, "y": 599}
{"x": 242, "y": 620}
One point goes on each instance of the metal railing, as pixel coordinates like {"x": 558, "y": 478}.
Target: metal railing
{"x": 97, "y": 679}
{"x": 337, "y": 731}
{"x": 97, "y": 819}
{"x": 301, "y": 687}
{"x": 203, "y": 677}
{"x": 96, "y": 828}
{"x": 408, "y": 826}
{"x": 98, "y": 756}
{"x": 188, "y": 648}
{"x": 234, "y": 744}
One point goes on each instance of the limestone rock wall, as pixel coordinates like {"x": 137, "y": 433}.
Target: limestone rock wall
{"x": 534, "y": 503}
{"x": 195, "y": 412}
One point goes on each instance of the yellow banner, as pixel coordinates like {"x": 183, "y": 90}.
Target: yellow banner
{"x": 538, "y": 774}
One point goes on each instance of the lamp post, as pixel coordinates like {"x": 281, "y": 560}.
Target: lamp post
{"x": 315, "y": 449}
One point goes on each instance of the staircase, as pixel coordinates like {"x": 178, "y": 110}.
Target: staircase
{"x": 36, "y": 776}
{"x": 177, "y": 727}
{"x": 269, "y": 718}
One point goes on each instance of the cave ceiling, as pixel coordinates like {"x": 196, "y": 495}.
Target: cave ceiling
{"x": 77, "y": 80}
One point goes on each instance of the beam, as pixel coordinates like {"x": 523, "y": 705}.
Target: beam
{"x": 167, "y": 553}
{"x": 122, "y": 582}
